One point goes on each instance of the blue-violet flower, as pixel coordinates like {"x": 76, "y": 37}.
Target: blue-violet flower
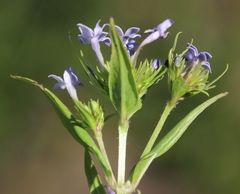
{"x": 157, "y": 32}
{"x": 131, "y": 47}
{"x": 192, "y": 55}
{"x": 130, "y": 33}
{"x": 93, "y": 37}
{"x": 69, "y": 81}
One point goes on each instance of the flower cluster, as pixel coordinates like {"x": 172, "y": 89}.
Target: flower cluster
{"x": 93, "y": 37}
{"x": 189, "y": 69}
{"x": 100, "y": 75}
{"x": 188, "y": 72}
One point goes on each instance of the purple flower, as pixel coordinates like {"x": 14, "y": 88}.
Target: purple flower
{"x": 130, "y": 33}
{"x": 157, "y": 32}
{"x": 131, "y": 47}
{"x": 93, "y": 37}
{"x": 69, "y": 81}
{"x": 192, "y": 55}
{"x": 156, "y": 64}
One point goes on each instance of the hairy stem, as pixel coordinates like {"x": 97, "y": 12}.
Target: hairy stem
{"x": 123, "y": 130}
{"x": 101, "y": 145}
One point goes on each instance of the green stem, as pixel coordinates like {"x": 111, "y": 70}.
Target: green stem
{"x": 170, "y": 105}
{"x": 101, "y": 145}
{"x": 123, "y": 130}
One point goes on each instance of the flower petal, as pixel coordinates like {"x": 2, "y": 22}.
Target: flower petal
{"x": 202, "y": 57}
{"x": 85, "y": 31}
{"x": 193, "y": 48}
{"x": 163, "y": 27}
{"x": 120, "y": 31}
{"x": 97, "y": 29}
{"x": 72, "y": 91}
{"x": 84, "y": 40}
{"x": 74, "y": 78}
{"x": 107, "y": 41}
{"x": 60, "y": 85}
{"x": 190, "y": 55}
{"x": 206, "y": 65}
{"x": 132, "y": 32}
{"x": 57, "y": 78}
{"x": 102, "y": 36}
{"x": 208, "y": 55}
{"x": 67, "y": 76}
{"x": 150, "y": 30}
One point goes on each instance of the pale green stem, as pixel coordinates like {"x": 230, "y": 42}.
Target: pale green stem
{"x": 101, "y": 145}
{"x": 170, "y": 105}
{"x": 123, "y": 130}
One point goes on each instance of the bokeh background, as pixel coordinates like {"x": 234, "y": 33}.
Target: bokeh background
{"x": 37, "y": 155}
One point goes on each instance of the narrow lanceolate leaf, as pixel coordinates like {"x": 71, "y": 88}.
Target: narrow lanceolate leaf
{"x": 71, "y": 124}
{"x": 174, "y": 135}
{"x": 169, "y": 140}
{"x": 122, "y": 86}
{"x": 93, "y": 178}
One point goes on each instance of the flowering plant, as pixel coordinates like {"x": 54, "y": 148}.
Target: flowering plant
{"x": 125, "y": 81}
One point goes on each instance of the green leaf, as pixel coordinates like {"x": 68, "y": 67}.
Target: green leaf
{"x": 72, "y": 125}
{"x": 93, "y": 178}
{"x": 122, "y": 86}
{"x": 174, "y": 135}
{"x": 169, "y": 140}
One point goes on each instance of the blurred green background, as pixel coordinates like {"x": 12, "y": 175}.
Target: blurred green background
{"x": 37, "y": 155}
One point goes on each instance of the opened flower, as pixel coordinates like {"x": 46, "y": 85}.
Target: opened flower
{"x": 130, "y": 33}
{"x": 157, "y": 32}
{"x": 93, "y": 37}
{"x": 193, "y": 56}
{"x": 69, "y": 81}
